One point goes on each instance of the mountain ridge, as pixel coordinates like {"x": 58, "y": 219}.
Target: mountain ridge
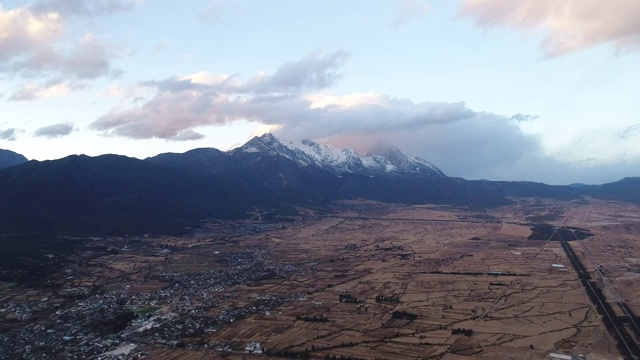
{"x": 174, "y": 192}
{"x": 383, "y": 160}
{"x": 9, "y": 158}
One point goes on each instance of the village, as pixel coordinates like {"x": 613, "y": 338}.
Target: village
{"x": 111, "y": 324}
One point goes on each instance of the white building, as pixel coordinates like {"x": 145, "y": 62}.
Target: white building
{"x": 255, "y": 347}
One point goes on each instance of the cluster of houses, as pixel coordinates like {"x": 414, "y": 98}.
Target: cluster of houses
{"x": 102, "y": 326}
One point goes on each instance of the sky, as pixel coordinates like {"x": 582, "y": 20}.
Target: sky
{"x": 538, "y": 90}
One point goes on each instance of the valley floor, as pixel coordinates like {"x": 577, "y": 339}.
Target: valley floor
{"x": 363, "y": 281}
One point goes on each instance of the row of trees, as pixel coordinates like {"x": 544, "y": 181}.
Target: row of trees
{"x": 307, "y": 318}
{"x": 387, "y": 299}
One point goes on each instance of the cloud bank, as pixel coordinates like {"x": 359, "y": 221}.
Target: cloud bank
{"x": 569, "y": 25}
{"x": 180, "y": 103}
{"x": 291, "y": 99}
{"x": 295, "y": 104}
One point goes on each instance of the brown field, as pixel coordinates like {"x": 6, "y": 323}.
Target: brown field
{"x": 395, "y": 251}
{"x": 426, "y": 257}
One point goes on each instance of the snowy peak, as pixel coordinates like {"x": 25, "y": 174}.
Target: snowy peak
{"x": 266, "y": 143}
{"x": 403, "y": 163}
{"x": 380, "y": 160}
{"x": 269, "y": 145}
{"x": 327, "y": 156}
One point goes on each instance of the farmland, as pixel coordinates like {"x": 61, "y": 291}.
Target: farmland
{"x": 364, "y": 280}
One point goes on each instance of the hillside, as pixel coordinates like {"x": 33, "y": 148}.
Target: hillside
{"x": 9, "y": 158}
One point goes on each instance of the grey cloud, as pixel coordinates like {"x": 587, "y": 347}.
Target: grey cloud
{"x": 471, "y": 146}
{"x": 524, "y": 117}
{"x": 186, "y": 135}
{"x": 84, "y": 8}
{"x": 631, "y": 131}
{"x": 175, "y": 84}
{"x": 299, "y": 120}
{"x": 488, "y": 146}
{"x": 313, "y": 72}
{"x": 54, "y": 131}
{"x": 8, "y": 134}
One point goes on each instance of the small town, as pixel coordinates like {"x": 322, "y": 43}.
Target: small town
{"x": 112, "y": 325}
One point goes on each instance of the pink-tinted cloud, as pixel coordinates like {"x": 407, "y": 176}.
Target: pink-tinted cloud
{"x": 289, "y": 100}
{"x": 183, "y": 102}
{"x": 569, "y": 25}
{"x": 22, "y": 32}
{"x": 32, "y": 91}
{"x": 32, "y": 45}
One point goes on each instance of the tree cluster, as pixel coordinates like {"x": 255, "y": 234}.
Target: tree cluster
{"x": 403, "y": 315}
{"x": 387, "y": 299}
{"x": 347, "y": 298}
{"x": 462, "y": 331}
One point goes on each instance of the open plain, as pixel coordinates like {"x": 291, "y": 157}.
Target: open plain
{"x": 362, "y": 280}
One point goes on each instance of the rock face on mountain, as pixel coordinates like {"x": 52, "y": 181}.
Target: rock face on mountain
{"x": 9, "y": 158}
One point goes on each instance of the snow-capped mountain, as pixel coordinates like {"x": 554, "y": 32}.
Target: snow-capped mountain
{"x": 380, "y": 160}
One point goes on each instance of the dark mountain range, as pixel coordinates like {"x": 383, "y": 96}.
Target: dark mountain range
{"x": 170, "y": 192}
{"x": 109, "y": 194}
{"x": 526, "y": 189}
{"x": 10, "y": 158}
{"x": 207, "y": 161}
{"x": 627, "y": 190}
